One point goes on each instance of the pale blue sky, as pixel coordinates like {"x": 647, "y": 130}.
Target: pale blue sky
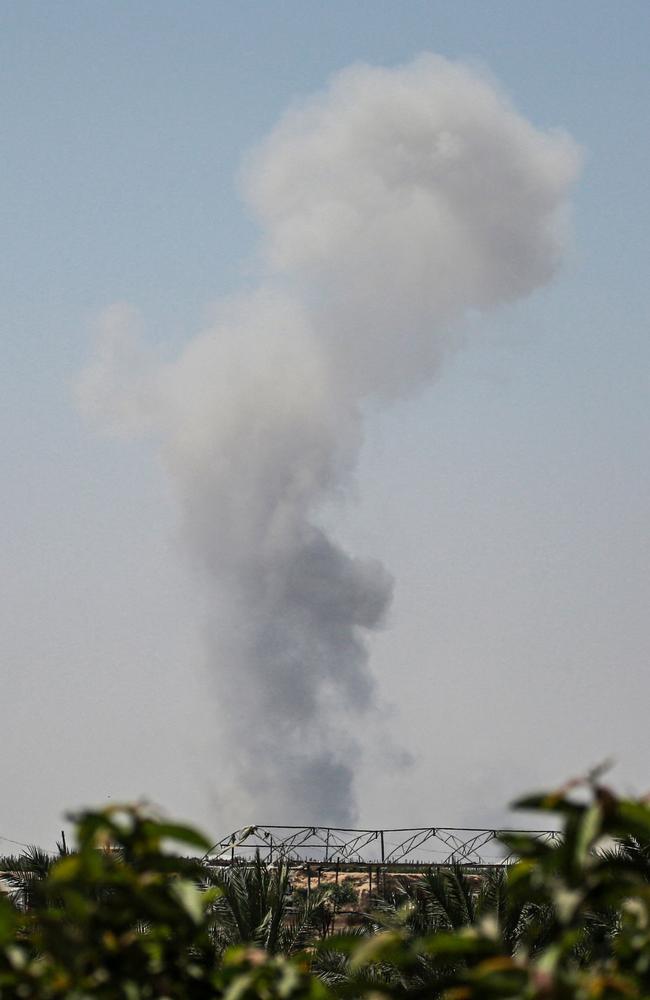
{"x": 510, "y": 499}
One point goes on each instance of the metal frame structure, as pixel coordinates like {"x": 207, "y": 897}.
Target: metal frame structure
{"x": 339, "y": 846}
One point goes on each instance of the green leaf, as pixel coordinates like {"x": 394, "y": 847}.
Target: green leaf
{"x": 589, "y": 827}
{"x": 548, "y": 802}
{"x": 632, "y": 818}
{"x": 387, "y": 946}
{"x": 466, "y": 943}
{"x": 8, "y": 919}
{"x": 178, "y": 832}
{"x": 191, "y": 898}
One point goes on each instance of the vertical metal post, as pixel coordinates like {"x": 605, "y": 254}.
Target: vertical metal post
{"x": 327, "y": 846}
{"x": 383, "y": 856}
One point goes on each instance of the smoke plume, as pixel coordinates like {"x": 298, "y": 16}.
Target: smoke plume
{"x": 391, "y": 205}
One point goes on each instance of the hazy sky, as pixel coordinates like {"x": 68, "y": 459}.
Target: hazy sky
{"x": 508, "y": 498}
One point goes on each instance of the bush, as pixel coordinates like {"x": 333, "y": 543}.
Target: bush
{"x": 344, "y": 892}
{"x": 126, "y": 916}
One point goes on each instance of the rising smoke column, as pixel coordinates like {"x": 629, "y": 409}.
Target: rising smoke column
{"x": 391, "y": 205}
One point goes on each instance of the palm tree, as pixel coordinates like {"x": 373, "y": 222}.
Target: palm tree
{"x": 442, "y": 899}
{"x": 257, "y": 906}
{"x": 25, "y": 874}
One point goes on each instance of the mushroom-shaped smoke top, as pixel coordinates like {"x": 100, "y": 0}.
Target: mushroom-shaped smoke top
{"x": 391, "y": 205}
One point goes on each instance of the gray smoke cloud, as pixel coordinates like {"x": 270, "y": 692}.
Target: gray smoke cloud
{"x": 391, "y": 206}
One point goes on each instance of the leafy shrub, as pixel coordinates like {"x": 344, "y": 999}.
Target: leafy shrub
{"x": 126, "y": 916}
{"x": 343, "y": 893}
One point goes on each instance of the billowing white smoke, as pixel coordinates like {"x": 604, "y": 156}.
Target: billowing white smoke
{"x": 391, "y": 205}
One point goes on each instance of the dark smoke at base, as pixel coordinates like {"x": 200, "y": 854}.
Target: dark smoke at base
{"x": 302, "y": 665}
{"x": 391, "y": 206}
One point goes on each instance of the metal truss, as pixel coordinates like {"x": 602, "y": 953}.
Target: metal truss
{"x": 339, "y": 846}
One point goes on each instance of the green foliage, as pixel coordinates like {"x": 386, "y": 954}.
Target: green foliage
{"x": 126, "y": 915}
{"x": 256, "y": 907}
{"x": 343, "y": 893}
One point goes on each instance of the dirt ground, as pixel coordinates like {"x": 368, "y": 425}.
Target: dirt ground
{"x": 367, "y": 882}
